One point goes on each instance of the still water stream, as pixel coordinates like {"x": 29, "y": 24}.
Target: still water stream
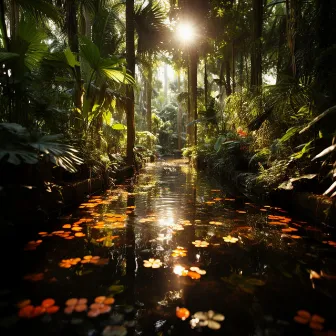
{"x": 173, "y": 253}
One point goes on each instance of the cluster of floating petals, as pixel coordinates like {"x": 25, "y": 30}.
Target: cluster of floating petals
{"x": 315, "y": 321}
{"x": 197, "y": 270}
{"x": 27, "y": 310}
{"x": 32, "y": 245}
{"x": 77, "y": 305}
{"x": 67, "y": 263}
{"x": 182, "y": 313}
{"x": 152, "y": 263}
{"x": 102, "y": 305}
{"x": 200, "y": 243}
{"x": 179, "y": 252}
{"x": 208, "y": 319}
{"x": 229, "y": 239}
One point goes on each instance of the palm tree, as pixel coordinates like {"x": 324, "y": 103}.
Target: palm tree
{"x": 151, "y": 31}
{"x": 130, "y": 58}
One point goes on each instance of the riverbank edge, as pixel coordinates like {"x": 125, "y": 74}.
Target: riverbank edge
{"x": 318, "y": 209}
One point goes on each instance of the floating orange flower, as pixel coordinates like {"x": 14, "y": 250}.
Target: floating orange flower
{"x": 47, "y": 303}
{"x": 73, "y": 304}
{"x": 315, "y": 321}
{"x": 182, "y": 313}
{"x": 79, "y": 234}
{"x": 47, "y": 306}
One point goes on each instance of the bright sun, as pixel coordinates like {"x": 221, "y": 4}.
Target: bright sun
{"x": 185, "y": 32}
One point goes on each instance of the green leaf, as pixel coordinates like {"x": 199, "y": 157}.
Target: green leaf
{"x": 70, "y": 57}
{"x": 119, "y": 127}
{"x": 290, "y": 132}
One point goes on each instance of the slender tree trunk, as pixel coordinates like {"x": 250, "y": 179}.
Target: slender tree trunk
{"x": 241, "y": 72}
{"x": 72, "y": 32}
{"x": 233, "y": 68}
{"x": 206, "y": 83}
{"x": 256, "y": 56}
{"x": 282, "y": 42}
{"x": 166, "y": 83}
{"x": 130, "y": 58}
{"x": 193, "y": 94}
{"x": 149, "y": 98}
{"x": 179, "y": 113}
{"x": 149, "y": 102}
{"x": 228, "y": 78}
{"x": 3, "y": 26}
{"x": 87, "y": 23}
{"x": 292, "y": 17}
{"x": 14, "y": 19}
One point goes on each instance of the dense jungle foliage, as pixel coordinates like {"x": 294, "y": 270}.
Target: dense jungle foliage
{"x": 88, "y": 86}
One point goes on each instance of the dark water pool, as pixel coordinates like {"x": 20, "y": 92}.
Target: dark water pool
{"x": 271, "y": 275}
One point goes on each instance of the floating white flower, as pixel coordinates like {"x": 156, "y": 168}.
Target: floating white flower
{"x": 198, "y": 270}
{"x": 152, "y": 263}
{"x": 200, "y": 243}
{"x": 209, "y": 319}
{"x": 229, "y": 239}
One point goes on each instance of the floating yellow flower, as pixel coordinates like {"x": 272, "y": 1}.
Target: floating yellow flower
{"x": 209, "y": 319}
{"x": 179, "y": 252}
{"x": 198, "y": 270}
{"x": 200, "y": 243}
{"x": 152, "y": 263}
{"x": 229, "y": 239}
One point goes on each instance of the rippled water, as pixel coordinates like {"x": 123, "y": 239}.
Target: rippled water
{"x": 268, "y": 267}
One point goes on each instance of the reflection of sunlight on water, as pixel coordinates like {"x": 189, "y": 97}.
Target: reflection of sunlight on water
{"x": 170, "y": 297}
{"x": 166, "y": 221}
{"x": 178, "y": 269}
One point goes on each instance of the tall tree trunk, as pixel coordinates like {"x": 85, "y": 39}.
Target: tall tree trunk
{"x": 233, "y": 68}
{"x": 87, "y": 26}
{"x": 282, "y": 41}
{"x": 166, "y": 83}
{"x": 292, "y": 9}
{"x": 3, "y": 27}
{"x": 14, "y": 18}
{"x": 149, "y": 102}
{"x": 179, "y": 113}
{"x": 193, "y": 95}
{"x": 72, "y": 32}
{"x": 228, "y": 78}
{"x": 130, "y": 58}
{"x": 206, "y": 83}
{"x": 241, "y": 71}
{"x": 256, "y": 57}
